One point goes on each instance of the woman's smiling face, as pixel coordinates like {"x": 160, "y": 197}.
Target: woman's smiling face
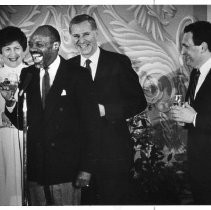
{"x": 12, "y": 54}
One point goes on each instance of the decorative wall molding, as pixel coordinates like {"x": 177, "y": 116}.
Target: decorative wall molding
{"x": 149, "y": 35}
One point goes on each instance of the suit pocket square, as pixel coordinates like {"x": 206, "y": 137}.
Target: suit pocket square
{"x": 63, "y": 93}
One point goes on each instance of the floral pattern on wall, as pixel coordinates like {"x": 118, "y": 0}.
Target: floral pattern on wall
{"x": 143, "y": 37}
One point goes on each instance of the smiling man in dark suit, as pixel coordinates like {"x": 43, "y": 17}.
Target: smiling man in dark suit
{"x": 196, "y": 113}
{"x": 119, "y": 96}
{"x": 62, "y": 120}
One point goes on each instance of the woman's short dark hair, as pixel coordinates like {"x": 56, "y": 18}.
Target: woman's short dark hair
{"x": 11, "y": 34}
{"x": 81, "y": 18}
{"x": 201, "y": 31}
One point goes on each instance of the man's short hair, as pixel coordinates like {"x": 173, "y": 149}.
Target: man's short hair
{"x": 201, "y": 31}
{"x": 81, "y": 18}
{"x": 48, "y": 31}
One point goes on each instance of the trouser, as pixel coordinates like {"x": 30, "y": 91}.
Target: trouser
{"x": 55, "y": 195}
{"x": 201, "y": 193}
{"x": 107, "y": 190}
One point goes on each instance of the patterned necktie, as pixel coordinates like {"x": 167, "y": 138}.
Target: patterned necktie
{"x": 45, "y": 86}
{"x": 88, "y": 66}
{"x": 196, "y": 75}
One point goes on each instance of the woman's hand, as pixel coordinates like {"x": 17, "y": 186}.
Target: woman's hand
{"x": 5, "y": 120}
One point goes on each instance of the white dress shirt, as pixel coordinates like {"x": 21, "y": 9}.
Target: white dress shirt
{"x": 52, "y": 70}
{"x": 204, "y": 70}
{"x": 94, "y": 62}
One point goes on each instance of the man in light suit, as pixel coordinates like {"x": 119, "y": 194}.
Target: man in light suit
{"x": 196, "y": 113}
{"x": 62, "y": 120}
{"x": 119, "y": 96}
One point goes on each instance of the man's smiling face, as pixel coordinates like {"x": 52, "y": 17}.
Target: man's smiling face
{"x": 41, "y": 49}
{"x": 85, "y": 38}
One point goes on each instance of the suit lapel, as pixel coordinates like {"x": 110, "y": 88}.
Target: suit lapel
{"x": 103, "y": 63}
{"x": 55, "y": 91}
{"x": 35, "y": 88}
{"x": 76, "y": 60}
{"x": 187, "y": 97}
{"x": 102, "y": 66}
{"x": 206, "y": 85}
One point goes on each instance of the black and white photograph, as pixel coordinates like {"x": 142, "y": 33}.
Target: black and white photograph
{"x": 105, "y": 104}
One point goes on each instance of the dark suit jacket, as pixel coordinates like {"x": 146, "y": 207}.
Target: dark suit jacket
{"x": 117, "y": 87}
{"x": 59, "y": 136}
{"x": 199, "y": 137}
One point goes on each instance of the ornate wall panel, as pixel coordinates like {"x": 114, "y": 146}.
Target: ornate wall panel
{"x": 148, "y": 34}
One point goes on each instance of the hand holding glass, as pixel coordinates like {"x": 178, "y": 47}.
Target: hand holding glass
{"x": 10, "y": 85}
{"x": 13, "y": 78}
{"x": 178, "y": 101}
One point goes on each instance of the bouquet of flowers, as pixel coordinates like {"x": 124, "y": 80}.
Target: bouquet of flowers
{"x": 159, "y": 173}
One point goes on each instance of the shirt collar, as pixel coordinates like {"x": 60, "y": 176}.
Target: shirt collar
{"x": 52, "y": 69}
{"x": 94, "y": 58}
{"x": 55, "y": 64}
{"x": 205, "y": 68}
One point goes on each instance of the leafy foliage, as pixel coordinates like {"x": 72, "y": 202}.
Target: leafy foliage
{"x": 159, "y": 174}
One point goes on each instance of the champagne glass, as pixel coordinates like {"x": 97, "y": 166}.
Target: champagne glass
{"x": 178, "y": 101}
{"x": 13, "y": 84}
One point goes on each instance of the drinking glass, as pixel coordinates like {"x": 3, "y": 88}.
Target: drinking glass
{"x": 13, "y": 83}
{"x": 179, "y": 101}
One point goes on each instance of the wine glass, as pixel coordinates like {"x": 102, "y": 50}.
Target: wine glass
{"x": 13, "y": 84}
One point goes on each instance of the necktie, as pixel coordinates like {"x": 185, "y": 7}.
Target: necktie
{"x": 45, "y": 86}
{"x": 88, "y": 66}
{"x": 196, "y": 75}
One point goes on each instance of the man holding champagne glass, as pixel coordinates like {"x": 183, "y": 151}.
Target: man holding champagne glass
{"x": 196, "y": 111}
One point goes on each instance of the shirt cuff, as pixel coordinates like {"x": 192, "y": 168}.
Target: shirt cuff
{"x": 194, "y": 120}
